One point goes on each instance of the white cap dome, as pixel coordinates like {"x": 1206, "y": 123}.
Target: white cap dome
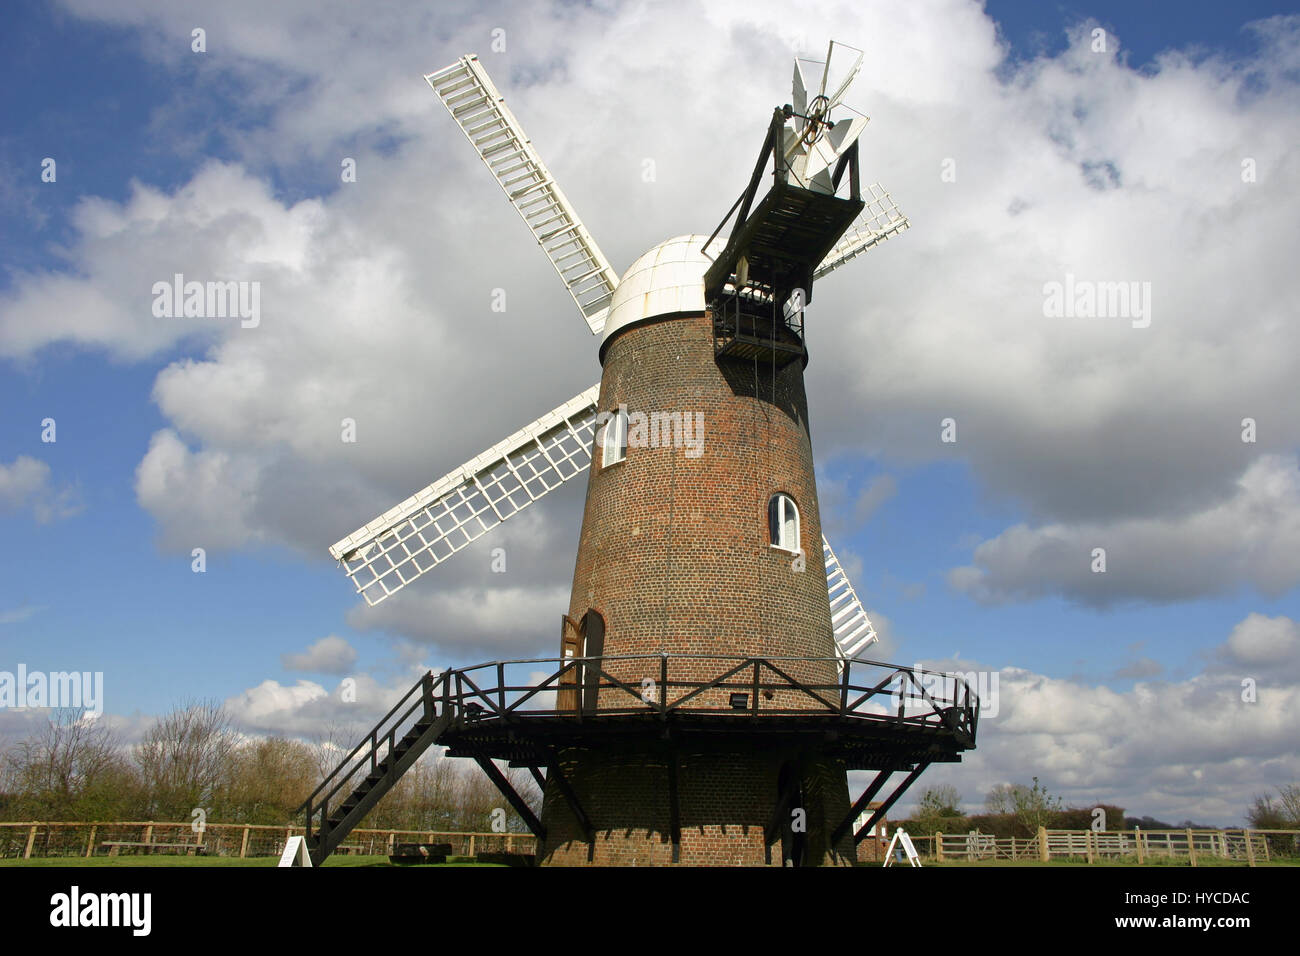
{"x": 667, "y": 279}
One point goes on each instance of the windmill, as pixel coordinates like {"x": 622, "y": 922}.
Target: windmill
{"x": 709, "y": 649}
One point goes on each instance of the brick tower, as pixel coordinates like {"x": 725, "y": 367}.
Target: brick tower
{"x": 677, "y": 556}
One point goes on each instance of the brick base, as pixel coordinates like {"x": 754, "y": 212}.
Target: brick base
{"x": 725, "y": 799}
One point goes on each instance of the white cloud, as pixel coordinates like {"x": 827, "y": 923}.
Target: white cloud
{"x": 222, "y": 225}
{"x": 26, "y": 484}
{"x": 881, "y": 489}
{"x": 312, "y": 711}
{"x": 22, "y": 480}
{"x": 482, "y": 623}
{"x": 1171, "y": 749}
{"x": 19, "y": 614}
{"x": 1251, "y": 538}
{"x": 1267, "y": 648}
{"x": 262, "y": 705}
{"x": 201, "y": 499}
{"x": 329, "y": 655}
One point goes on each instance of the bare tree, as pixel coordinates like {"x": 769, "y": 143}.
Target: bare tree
{"x": 72, "y": 768}
{"x": 1034, "y": 806}
{"x": 266, "y": 781}
{"x": 424, "y": 799}
{"x": 1280, "y": 813}
{"x": 1001, "y": 799}
{"x": 333, "y": 744}
{"x": 938, "y": 808}
{"x": 1289, "y": 797}
{"x": 183, "y": 758}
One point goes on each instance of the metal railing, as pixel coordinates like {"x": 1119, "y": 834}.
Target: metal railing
{"x": 368, "y": 754}
{"x": 666, "y": 683}
{"x": 657, "y": 686}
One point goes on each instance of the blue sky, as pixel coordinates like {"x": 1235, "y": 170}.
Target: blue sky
{"x": 96, "y": 578}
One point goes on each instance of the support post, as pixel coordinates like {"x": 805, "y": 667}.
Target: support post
{"x": 90, "y": 844}
{"x": 892, "y": 799}
{"x": 243, "y": 845}
{"x": 938, "y": 847}
{"x": 571, "y": 798}
{"x": 1043, "y": 855}
{"x": 519, "y": 803}
{"x": 860, "y": 804}
{"x": 1250, "y": 847}
{"x": 1137, "y": 838}
{"x": 31, "y": 840}
{"x": 1191, "y": 847}
{"x": 674, "y": 812}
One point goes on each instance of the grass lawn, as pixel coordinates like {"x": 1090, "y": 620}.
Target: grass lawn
{"x": 160, "y": 859}
{"x": 1161, "y": 862}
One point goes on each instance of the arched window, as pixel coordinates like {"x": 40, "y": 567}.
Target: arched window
{"x": 613, "y": 437}
{"x": 783, "y": 523}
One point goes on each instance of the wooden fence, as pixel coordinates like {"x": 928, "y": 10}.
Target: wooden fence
{"x": 27, "y": 840}
{"x": 1133, "y": 846}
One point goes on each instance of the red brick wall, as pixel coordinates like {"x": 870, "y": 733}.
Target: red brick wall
{"x": 674, "y": 551}
{"x": 725, "y": 802}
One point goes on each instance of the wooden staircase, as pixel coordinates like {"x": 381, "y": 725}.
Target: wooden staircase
{"x": 384, "y": 757}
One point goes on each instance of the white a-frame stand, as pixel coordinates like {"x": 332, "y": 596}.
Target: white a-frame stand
{"x": 295, "y": 853}
{"x": 903, "y": 842}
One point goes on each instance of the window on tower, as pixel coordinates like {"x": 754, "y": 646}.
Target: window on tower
{"x": 783, "y": 523}
{"x": 613, "y": 437}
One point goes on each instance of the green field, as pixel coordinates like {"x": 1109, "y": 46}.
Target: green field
{"x": 173, "y": 860}
{"x": 1159, "y": 862}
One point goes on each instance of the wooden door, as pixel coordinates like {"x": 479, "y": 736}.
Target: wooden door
{"x": 593, "y": 647}
{"x": 570, "y": 648}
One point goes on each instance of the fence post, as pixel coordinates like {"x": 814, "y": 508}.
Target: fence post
{"x": 1250, "y": 847}
{"x": 1087, "y": 844}
{"x": 1191, "y": 847}
{"x": 1137, "y": 838}
{"x": 90, "y": 844}
{"x": 938, "y": 846}
{"x": 1043, "y": 855}
{"x": 243, "y": 844}
{"x": 471, "y": 844}
{"x": 148, "y": 836}
{"x": 31, "y": 839}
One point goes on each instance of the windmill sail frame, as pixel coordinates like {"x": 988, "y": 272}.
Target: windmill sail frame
{"x": 480, "y": 111}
